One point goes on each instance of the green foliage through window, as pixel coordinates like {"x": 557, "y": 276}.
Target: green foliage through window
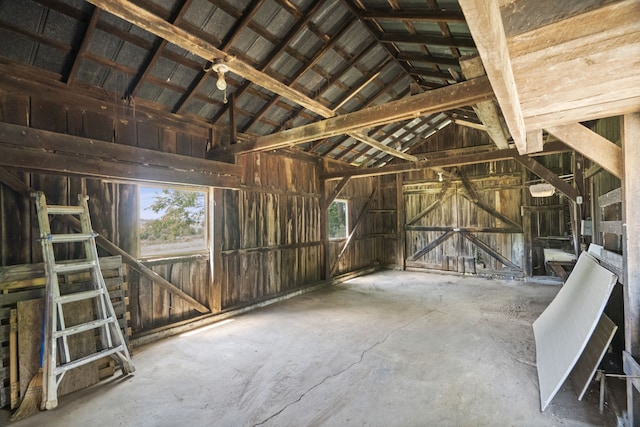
{"x": 172, "y": 221}
{"x": 338, "y": 224}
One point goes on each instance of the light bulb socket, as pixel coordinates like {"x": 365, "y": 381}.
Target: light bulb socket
{"x": 221, "y": 68}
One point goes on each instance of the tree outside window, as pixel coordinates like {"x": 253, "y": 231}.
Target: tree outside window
{"x": 338, "y": 224}
{"x": 172, "y": 221}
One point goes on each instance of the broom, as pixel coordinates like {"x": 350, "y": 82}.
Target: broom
{"x": 33, "y": 395}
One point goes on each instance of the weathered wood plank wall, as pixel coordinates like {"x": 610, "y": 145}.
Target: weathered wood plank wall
{"x": 271, "y": 242}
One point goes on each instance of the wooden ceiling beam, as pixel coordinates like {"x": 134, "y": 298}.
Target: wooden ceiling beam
{"x": 593, "y": 146}
{"x": 34, "y": 149}
{"x": 441, "y": 162}
{"x": 485, "y": 22}
{"x": 426, "y": 39}
{"x": 146, "y": 20}
{"x": 416, "y": 15}
{"x": 468, "y": 159}
{"x": 435, "y": 101}
{"x": 429, "y": 59}
{"x": 84, "y": 44}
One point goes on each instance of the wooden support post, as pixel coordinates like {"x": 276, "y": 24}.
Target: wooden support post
{"x": 631, "y": 251}
{"x": 215, "y": 263}
{"x": 400, "y": 219}
{"x": 325, "y": 270}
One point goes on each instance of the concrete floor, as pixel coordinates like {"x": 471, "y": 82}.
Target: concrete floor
{"x": 389, "y": 349}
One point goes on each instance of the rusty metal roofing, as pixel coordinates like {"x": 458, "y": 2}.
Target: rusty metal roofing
{"x": 345, "y": 54}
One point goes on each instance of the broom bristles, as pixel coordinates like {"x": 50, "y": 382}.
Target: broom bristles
{"x": 32, "y": 397}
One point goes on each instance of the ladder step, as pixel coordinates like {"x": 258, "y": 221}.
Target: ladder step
{"x": 87, "y": 359}
{"x": 65, "y": 210}
{"x": 70, "y": 238}
{"x": 74, "y": 267}
{"x": 79, "y": 296}
{"x": 82, "y": 327}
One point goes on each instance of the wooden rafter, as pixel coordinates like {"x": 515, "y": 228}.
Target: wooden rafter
{"x": 429, "y": 59}
{"x": 339, "y": 74}
{"x": 426, "y": 39}
{"x": 86, "y": 39}
{"x": 417, "y": 15}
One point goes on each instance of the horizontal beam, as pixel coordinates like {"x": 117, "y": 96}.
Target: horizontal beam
{"x": 468, "y": 159}
{"x": 434, "y": 101}
{"x": 424, "y": 39}
{"x": 416, "y": 15}
{"x": 40, "y": 150}
{"x": 420, "y": 57}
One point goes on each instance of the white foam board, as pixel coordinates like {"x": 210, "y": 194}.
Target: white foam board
{"x": 565, "y": 326}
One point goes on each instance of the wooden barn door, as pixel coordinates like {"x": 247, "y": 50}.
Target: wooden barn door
{"x": 465, "y": 225}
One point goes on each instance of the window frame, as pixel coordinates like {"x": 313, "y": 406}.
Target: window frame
{"x": 176, "y": 254}
{"x": 346, "y": 220}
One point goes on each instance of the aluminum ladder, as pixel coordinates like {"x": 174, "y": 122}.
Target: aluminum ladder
{"x": 56, "y": 358}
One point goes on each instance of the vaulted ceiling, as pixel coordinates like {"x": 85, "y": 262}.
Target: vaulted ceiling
{"x": 343, "y": 56}
{"x": 387, "y": 74}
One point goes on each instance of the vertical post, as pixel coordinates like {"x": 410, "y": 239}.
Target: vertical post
{"x": 325, "y": 274}
{"x": 578, "y": 212}
{"x": 233, "y": 132}
{"x": 400, "y": 221}
{"x": 631, "y": 251}
{"x": 215, "y": 260}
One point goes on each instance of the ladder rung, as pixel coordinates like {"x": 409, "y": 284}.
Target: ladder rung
{"x": 65, "y": 210}
{"x": 74, "y": 267}
{"x": 82, "y": 327}
{"x": 70, "y": 238}
{"x": 87, "y": 359}
{"x": 79, "y": 296}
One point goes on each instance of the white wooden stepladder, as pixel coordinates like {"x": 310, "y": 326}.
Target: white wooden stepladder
{"x": 57, "y": 360}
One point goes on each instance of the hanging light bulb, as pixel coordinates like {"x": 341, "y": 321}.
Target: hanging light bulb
{"x": 221, "y": 83}
{"x": 220, "y": 68}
